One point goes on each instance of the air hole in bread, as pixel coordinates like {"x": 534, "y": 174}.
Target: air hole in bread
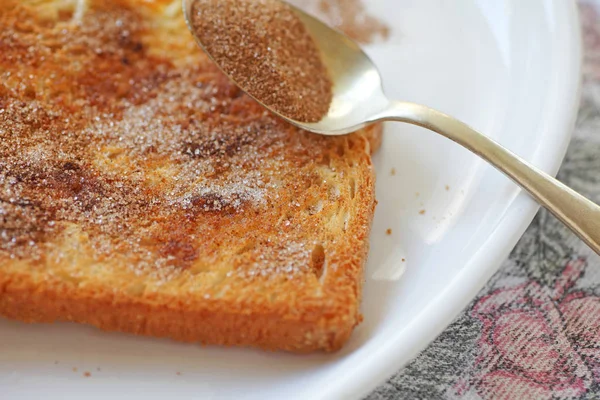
{"x": 334, "y": 193}
{"x": 341, "y": 150}
{"x": 326, "y": 160}
{"x": 352, "y": 188}
{"x": 312, "y": 180}
{"x": 346, "y": 220}
{"x": 318, "y": 260}
{"x": 316, "y": 208}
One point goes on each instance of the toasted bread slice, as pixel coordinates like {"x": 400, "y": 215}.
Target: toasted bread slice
{"x": 141, "y": 192}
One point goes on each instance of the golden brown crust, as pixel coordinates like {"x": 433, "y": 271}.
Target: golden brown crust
{"x": 143, "y": 193}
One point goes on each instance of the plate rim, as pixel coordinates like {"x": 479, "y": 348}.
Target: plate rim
{"x": 513, "y": 225}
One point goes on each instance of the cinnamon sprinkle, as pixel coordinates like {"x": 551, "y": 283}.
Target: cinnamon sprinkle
{"x": 349, "y": 16}
{"x": 266, "y": 49}
{"x": 139, "y": 156}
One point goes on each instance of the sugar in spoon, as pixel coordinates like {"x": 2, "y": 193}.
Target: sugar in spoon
{"x": 358, "y": 100}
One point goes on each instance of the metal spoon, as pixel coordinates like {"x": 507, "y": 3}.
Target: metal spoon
{"x": 359, "y": 100}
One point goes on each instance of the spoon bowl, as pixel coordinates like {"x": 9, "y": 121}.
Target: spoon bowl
{"x": 359, "y": 100}
{"x": 357, "y": 85}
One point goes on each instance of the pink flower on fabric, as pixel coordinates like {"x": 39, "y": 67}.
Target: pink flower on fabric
{"x": 582, "y": 322}
{"x": 538, "y": 342}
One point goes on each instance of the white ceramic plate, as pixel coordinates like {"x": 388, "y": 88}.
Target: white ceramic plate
{"x": 508, "y": 67}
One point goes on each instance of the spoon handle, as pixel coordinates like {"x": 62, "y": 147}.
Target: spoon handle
{"x": 581, "y": 215}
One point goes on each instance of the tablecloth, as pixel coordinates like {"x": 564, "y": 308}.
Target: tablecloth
{"x": 533, "y": 332}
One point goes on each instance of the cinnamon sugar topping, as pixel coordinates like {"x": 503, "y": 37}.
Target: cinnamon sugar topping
{"x": 265, "y": 48}
{"x": 162, "y": 163}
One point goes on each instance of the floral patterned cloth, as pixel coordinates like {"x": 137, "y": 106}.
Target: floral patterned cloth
{"x": 534, "y": 331}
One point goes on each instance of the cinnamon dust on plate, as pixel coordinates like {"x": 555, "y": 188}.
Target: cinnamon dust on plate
{"x": 349, "y": 16}
{"x": 266, "y": 49}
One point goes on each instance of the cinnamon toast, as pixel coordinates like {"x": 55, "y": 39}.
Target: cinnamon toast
{"x": 142, "y": 192}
